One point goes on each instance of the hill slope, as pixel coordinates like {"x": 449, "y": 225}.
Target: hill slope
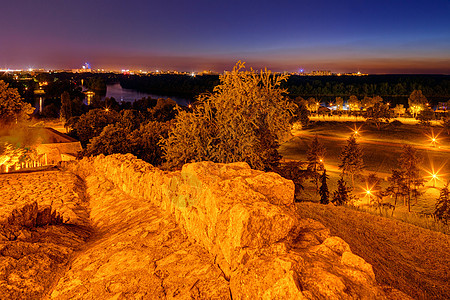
{"x": 409, "y": 258}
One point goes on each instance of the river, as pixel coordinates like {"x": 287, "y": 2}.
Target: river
{"x": 127, "y": 95}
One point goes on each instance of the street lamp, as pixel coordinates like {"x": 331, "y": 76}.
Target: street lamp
{"x": 433, "y": 138}
{"x": 369, "y": 194}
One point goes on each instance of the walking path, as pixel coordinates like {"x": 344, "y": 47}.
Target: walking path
{"x": 110, "y": 246}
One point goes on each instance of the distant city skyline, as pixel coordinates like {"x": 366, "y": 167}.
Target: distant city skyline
{"x": 372, "y": 37}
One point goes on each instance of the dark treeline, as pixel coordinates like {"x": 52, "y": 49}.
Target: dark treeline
{"x": 395, "y": 88}
{"x": 392, "y": 88}
{"x": 171, "y": 84}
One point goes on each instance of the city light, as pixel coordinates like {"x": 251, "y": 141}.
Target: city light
{"x": 433, "y": 138}
{"x": 356, "y": 132}
{"x": 434, "y": 175}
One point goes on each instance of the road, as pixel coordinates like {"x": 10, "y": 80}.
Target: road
{"x": 362, "y": 140}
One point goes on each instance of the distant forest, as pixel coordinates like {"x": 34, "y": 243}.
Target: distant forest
{"x": 394, "y": 88}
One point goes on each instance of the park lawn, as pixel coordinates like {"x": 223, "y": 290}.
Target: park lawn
{"x": 378, "y": 155}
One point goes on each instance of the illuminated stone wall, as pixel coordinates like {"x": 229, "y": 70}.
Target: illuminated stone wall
{"x": 246, "y": 220}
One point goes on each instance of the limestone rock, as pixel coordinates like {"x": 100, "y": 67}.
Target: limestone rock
{"x": 243, "y": 218}
{"x": 266, "y": 278}
{"x": 336, "y": 244}
{"x": 354, "y": 261}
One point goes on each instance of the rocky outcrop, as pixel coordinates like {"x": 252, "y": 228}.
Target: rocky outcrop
{"x": 36, "y": 242}
{"x": 137, "y": 252}
{"x": 246, "y": 221}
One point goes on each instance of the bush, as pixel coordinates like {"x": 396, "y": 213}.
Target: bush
{"x": 242, "y": 120}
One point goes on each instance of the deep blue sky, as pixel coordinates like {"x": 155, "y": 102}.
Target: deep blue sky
{"x": 395, "y": 36}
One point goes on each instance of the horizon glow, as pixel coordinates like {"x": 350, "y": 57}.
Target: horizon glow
{"x": 373, "y": 37}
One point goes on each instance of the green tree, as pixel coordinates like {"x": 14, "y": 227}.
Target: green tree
{"x": 229, "y": 124}
{"x": 446, "y": 122}
{"x": 399, "y": 110}
{"x": 12, "y": 108}
{"x": 353, "y": 103}
{"x": 164, "y": 110}
{"x": 351, "y": 159}
{"x": 92, "y": 123}
{"x": 112, "y": 139}
{"x": 417, "y": 102}
{"x": 145, "y": 141}
{"x": 323, "y": 192}
{"x": 425, "y": 116}
{"x": 397, "y": 186}
{"x": 442, "y": 209}
{"x": 409, "y": 162}
{"x": 66, "y": 107}
{"x": 312, "y": 104}
{"x": 342, "y": 195}
{"x": 301, "y": 113}
{"x": 315, "y": 156}
{"x": 378, "y": 113}
{"x": 339, "y": 103}
{"x": 293, "y": 170}
{"x": 142, "y": 142}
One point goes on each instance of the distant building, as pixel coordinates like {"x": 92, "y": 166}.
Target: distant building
{"x": 320, "y": 73}
{"x": 51, "y": 148}
{"x": 86, "y": 68}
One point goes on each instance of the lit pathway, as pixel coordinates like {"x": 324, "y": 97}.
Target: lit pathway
{"x": 362, "y": 140}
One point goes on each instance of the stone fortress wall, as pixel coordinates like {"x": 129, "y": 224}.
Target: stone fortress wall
{"x": 246, "y": 220}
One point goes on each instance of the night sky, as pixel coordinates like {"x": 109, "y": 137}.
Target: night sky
{"x": 385, "y": 36}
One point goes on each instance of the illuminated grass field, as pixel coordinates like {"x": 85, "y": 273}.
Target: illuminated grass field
{"x": 381, "y": 150}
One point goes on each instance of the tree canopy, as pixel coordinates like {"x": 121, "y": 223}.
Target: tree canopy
{"x": 241, "y": 120}
{"x": 351, "y": 159}
{"x": 12, "y": 108}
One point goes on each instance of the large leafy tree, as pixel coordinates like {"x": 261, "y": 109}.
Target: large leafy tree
{"x": 112, "y": 139}
{"x": 425, "y": 116}
{"x": 399, "y": 110}
{"x": 142, "y": 142}
{"x": 12, "y": 108}
{"x": 351, "y": 159}
{"x": 353, "y": 103}
{"x": 92, "y": 123}
{"x": 301, "y": 113}
{"x": 243, "y": 119}
{"x": 417, "y": 102}
{"x": 378, "y": 113}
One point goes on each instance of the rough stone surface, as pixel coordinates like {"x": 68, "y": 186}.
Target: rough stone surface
{"x": 137, "y": 253}
{"x": 259, "y": 244}
{"x": 35, "y": 245}
{"x": 123, "y": 229}
{"x": 60, "y": 191}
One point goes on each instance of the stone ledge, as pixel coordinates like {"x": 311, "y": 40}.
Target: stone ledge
{"x": 245, "y": 219}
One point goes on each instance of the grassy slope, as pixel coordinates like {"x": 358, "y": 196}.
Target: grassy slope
{"x": 409, "y": 258}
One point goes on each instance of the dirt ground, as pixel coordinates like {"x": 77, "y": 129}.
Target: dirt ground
{"x": 409, "y": 258}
